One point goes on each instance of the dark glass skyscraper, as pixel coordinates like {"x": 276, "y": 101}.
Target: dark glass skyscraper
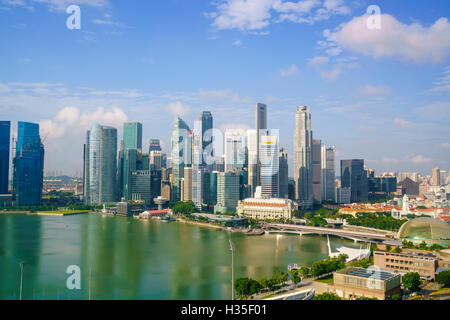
{"x": 206, "y": 120}
{"x": 5, "y": 132}
{"x": 28, "y": 165}
{"x": 354, "y": 176}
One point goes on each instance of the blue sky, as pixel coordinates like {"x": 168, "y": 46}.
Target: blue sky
{"x": 381, "y": 95}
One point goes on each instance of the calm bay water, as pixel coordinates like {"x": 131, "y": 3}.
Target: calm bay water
{"x": 135, "y": 259}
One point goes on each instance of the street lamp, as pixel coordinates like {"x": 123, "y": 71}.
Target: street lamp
{"x": 21, "y": 279}
{"x": 232, "y": 269}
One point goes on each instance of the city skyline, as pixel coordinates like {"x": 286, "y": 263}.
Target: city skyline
{"x": 388, "y": 107}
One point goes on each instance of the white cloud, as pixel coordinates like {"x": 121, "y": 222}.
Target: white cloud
{"x": 420, "y": 159}
{"x": 331, "y": 74}
{"x": 55, "y": 4}
{"x": 177, "y": 109}
{"x": 289, "y": 72}
{"x": 412, "y": 42}
{"x": 237, "y": 43}
{"x": 442, "y": 84}
{"x": 318, "y": 61}
{"x": 403, "y": 123}
{"x": 445, "y": 145}
{"x": 375, "y": 90}
{"x": 251, "y": 15}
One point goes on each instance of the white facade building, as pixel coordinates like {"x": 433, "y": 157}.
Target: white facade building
{"x": 262, "y": 209}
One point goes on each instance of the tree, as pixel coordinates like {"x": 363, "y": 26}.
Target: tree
{"x": 308, "y": 215}
{"x": 423, "y": 246}
{"x": 305, "y": 271}
{"x": 396, "y": 296}
{"x": 327, "y": 296}
{"x": 443, "y": 277}
{"x": 411, "y": 281}
{"x": 245, "y": 287}
{"x": 295, "y": 276}
{"x": 366, "y": 298}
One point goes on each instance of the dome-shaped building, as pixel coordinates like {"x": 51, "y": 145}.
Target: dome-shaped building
{"x": 426, "y": 229}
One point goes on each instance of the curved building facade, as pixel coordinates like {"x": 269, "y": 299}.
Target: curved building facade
{"x": 430, "y": 230}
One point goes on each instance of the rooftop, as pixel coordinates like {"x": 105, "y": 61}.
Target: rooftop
{"x": 368, "y": 273}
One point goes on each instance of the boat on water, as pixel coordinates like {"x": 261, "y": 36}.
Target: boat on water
{"x": 167, "y": 219}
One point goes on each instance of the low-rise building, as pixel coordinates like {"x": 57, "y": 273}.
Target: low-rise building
{"x": 352, "y": 283}
{"x": 263, "y": 209}
{"x": 404, "y": 262}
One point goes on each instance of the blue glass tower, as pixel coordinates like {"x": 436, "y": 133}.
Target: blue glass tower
{"x": 5, "y": 129}
{"x": 28, "y": 165}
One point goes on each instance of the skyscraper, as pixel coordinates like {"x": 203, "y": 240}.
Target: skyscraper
{"x": 317, "y": 169}
{"x": 252, "y": 152}
{"x": 328, "y": 173}
{"x": 101, "y": 165}
{"x": 197, "y": 186}
{"x": 302, "y": 155}
{"x": 154, "y": 145}
{"x": 436, "y": 177}
{"x": 28, "y": 165}
{"x": 156, "y": 160}
{"x": 261, "y": 129}
{"x": 354, "y": 176}
{"x": 5, "y": 136}
{"x": 181, "y": 154}
{"x": 283, "y": 173}
{"x": 269, "y": 166}
{"x": 188, "y": 172}
{"x": 206, "y": 136}
{"x": 227, "y": 192}
{"x": 234, "y": 150}
{"x": 132, "y": 139}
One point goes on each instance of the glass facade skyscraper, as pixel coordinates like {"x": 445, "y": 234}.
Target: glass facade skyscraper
{"x": 206, "y": 120}
{"x": 354, "y": 176}
{"x": 303, "y": 156}
{"x": 181, "y": 154}
{"x": 100, "y": 165}
{"x": 5, "y": 136}
{"x": 132, "y": 140}
{"x": 28, "y": 165}
{"x": 269, "y": 166}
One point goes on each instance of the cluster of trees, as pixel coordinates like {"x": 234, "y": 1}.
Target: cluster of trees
{"x": 320, "y": 213}
{"x": 443, "y": 278}
{"x": 187, "y": 207}
{"x": 246, "y": 287}
{"x": 422, "y": 246}
{"x": 382, "y": 220}
{"x": 328, "y": 265}
{"x": 327, "y": 296}
{"x": 364, "y": 263}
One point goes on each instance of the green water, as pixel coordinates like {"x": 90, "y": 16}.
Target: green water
{"x": 135, "y": 259}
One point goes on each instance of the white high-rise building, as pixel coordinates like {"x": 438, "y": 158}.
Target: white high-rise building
{"x": 234, "y": 149}
{"x": 302, "y": 155}
{"x": 328, "y": 173}
{"x": 269, "y": 166}
{"x": 316, "y": 156}
{"x": 261, "y": 129}
{"x": 252, "y": 152}
{"x": 197, "y": 187}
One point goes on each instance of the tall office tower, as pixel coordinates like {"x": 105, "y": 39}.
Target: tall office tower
{"x": 269, "y": 166}
{"x": 188, "y": 171}
{"x": 436, "y": 177}
{"x": 302, "y": 155}
{"x": 234, "y": 150}
{"x": 227, "y": 192}
{"x": 283, "y": 173}
{"x": 155, "y": 183}
{"x": 354, "y": 176}
{"x": 213, "y": 187}
{"x": 316, "y": 156}
{"x": 206, "y": 137}
{"x": 5, "y": 136}
{"x": 166, "y": 190}
{"x": 132, "y": 139}
{"x": 252, "y": 152}
{"x": 181, "y": 154}
{"x": 138, "y": 185}
{"x": 328, "y": 174}
{"x": 28, "y": 165}
{"x": 197, "y": 186}
{"x": 101, "y": 165}
{"x": 156, "y": 160}
{"x": 261, "y": 129}
{"x": 443, "y": 177}
{"x": 154, "y": 145}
